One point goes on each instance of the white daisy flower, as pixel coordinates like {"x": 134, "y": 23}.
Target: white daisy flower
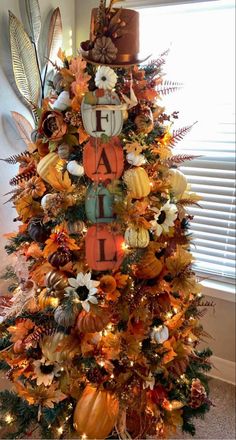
{"x": 84, "y": 288}
{"x": 164, "y": 218}
{"x": 105, "y": 78}
{"x": 45, "y": 371}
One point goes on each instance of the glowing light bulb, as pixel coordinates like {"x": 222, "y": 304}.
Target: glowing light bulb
{"x": 124, "y": 246}
{"x": 112, "y": 376}
{"x": 101, "y": 363}
{"x": 190, "y": 340}
{"x": 169, "y": 315}
{"x": 131, "y": 363}
{"x": 175, "y": 310}
{"x": 60, "y": 430}
{"x": 9, "y": 419}
{"x": 83, "y": 437}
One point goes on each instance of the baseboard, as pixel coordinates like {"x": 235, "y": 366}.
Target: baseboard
{"x": 223, "y": 370}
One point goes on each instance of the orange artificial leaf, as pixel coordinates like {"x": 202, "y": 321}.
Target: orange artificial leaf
{"x": 113, "y": 296}
{"x": 34, "y": 251}
{"x": 60, "y": 181}
{"x": 121, "y": 280}
{"x": 27, "y": 207}
{"x": 110, "y": 345}
{"x": 39, "y": 271}
{"x": 175, "y": 322}
{"x": 178, "y": 261}
{"x": 59, "y": 238}
{"x": 83, "y": 136}
{"x": 169, "y": 351}
{"x": 20, "y": 329}
{"x": 41, "y": 395}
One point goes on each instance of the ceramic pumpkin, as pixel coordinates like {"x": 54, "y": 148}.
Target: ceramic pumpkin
{"x": 45, "y": 300}
{"x": 98, "y": 122}
{"x": 150, "y": 265}
{"x": 90, "y": 322}
{"x": 56, "y": 282}
{"x": 60, "y": 257}
{"x": 64, "y": 151}
{"x": 98, "y": 204}
{"x": 44, "y": 165}
{"x": 177, "y": 181}
{"x": 103, "y": 161}
{"x": 137, "y": 237}
{"x": 104, "y": 249}
{"x": 137, "y": 182}
{"x": 75, "y": 227}
{"x": 160, "y": 334}
{"x": 96, "y": 413}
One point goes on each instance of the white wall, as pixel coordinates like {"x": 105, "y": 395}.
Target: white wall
{"x": 9, "y": 139}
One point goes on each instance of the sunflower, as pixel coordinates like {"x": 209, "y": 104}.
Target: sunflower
{"x": 164, "y": 218}
{"x": 45, "y": 371}
{"x": 84, "y": 289}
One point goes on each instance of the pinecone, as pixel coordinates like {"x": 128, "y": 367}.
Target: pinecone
{"x": 198, "y": 394}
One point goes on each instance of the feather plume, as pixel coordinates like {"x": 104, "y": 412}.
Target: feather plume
{"x": 17, "y": 158}
{"x": 179, "y": 159}
{"x": 55, "y": 35}
{"x": 23, "y": 177}
{"x": 179, "y": 134}
{"x": 34, "y": 19}
{"x": 24, "y": 127}
{"x": 168, "y": 87}
{"x": 24, "y": 63}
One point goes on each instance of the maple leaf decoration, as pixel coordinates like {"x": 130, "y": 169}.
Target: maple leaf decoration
{"x": 27, "y": 207}
{"x": 59, "y": 238}
{"x": 21, "y": 329}
{"x": 60, "y": 181}
{"x": 179, "y": 261}
{"x": 41, "y": 395}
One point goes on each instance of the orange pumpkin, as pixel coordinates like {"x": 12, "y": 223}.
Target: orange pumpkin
{"x": 96, "y": 413}
{"x": 45, "y": 164}
{"x": 104, "y": 250}
{"x": 103, "y": 161}
{"x": 45, "y": 300}
{"x": 91, "y": 322}
{"x": 150, "y": 265}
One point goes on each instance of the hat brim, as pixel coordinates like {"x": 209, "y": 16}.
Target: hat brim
{"x": 133, "y": 62}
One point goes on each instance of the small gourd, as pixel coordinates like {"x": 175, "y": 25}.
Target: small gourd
{"x": 90, "y": 322}
{"x": 137, "y": 182}
{"x": 177, "y": 181}
{"x": 76, "y": 227}
{"x": 150, "y": 265}
{"x": 144, "y": 121}
{"x": 56, "y": 282}
{"x": 45, "y": 164}
{"x": 137, "y": 237}
{"x": 160, "y": 334}
{"x": 64, "y": 151}
{"x": 60, "y": 257}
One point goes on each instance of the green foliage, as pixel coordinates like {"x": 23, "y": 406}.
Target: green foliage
{"x": 8, "y": 273}
{"x": 15, "y": 242}
{"x": 75, "y": 213}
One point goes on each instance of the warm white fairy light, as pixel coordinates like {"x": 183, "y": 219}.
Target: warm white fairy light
{"x": 60, "y": 430}
{"x": 169, "y": 315}
{"x": 9, "y": 419}
{"x": 112, "y": 376}
{"x": 124, "y": 246}
{"x": 84, "y": 437}
{"x": 190, "y": 340}
{"x": 101, "y": 363}
{"x": 131, "y": 363}
{"x": 175, "y": 309}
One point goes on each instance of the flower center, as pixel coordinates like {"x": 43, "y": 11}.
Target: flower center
{"x": 161, "y": 218}
{"x": 103, "y": 78}
{"x": 46, "y": 369}
{"x": 83, "y": 292}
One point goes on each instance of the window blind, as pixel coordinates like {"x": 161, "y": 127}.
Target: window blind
{"x": 203, "y": 58}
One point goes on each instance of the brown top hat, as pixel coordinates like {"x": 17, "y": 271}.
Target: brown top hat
{"x": 114, "y": 38}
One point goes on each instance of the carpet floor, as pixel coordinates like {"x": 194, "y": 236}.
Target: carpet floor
{"x": 219, "y": 422}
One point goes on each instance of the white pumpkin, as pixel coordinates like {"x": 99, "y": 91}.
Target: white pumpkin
{"x": 46, "y": 201}
{"x": 160, "y": 334}
{"x": 177, "y": 181}
{"x": 137, "y": 237}
{"x": 136, "y": 159}
{"x": 98, "y": 122}
{"x": 75, "y": 168}
{"x": 62, "y": 102}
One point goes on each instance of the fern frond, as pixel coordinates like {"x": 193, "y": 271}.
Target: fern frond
{"x": 168, "y": 87}
{"x": 179, "y": 134}
{"x": 179, "y": 159}
{"x": 12, "y": 160}
{"x": 23, "y": 177}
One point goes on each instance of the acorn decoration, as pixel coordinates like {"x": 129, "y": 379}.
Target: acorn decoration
{"x": 60, "y": 258}
{"x": 56, "y": 282}
{"x": 144, "y": 121}
{"x": 37, "y": 230}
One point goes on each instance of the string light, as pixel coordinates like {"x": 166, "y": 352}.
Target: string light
{"x": 131, "y": 363}
{"x": 60, "y": 430}
{"x": 101, "y": 363}
{"x": 83, "y": 437}
{"x": 124, "y": 246}
{"x": 9, "y": 419}
{"x": 190, "y": 340}
{"x": 175, "y": 310}
{"x": 169, "y": 315}
{"x": 112, "y": 376}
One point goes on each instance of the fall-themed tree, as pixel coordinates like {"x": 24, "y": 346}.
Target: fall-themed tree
{"x": 100, "y": 329}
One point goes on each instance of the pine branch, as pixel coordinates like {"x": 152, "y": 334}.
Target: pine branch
{"x": 23, "y": 177}
{"x": 21, "y": 157}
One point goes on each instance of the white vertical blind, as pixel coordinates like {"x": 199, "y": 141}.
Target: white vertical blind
{"x": 202, "y": 43}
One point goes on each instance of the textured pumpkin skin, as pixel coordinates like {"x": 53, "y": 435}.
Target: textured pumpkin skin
{"x": 43, "y": 168}
{"x": 137, "y": 237}
{"x": 144, "y": 121}
{"x": 137, "y": 182}
{"x": 60, "y": 258}
{"x": 96, "y": 413}
{"x": 37, "y": 230}
{"x": 91, "y": 322}
{"x": 45, "y": 300}
{"x": 75, "y": 227}
{"x": 177, "y": 181}
{"x": 56, "y": 283}
{"x": 149, "y": 266}
{"x": 96, "y": 154}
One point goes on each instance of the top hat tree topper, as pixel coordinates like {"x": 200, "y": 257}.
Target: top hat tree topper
{"x": 114, "y": 37}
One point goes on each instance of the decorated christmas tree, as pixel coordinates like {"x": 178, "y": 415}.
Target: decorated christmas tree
{"x": 99, "y": 335}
